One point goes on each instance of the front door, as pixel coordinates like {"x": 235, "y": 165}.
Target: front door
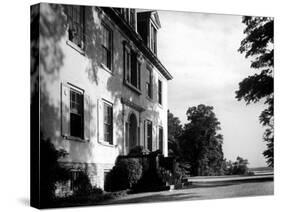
{"x": 132, "y": 135}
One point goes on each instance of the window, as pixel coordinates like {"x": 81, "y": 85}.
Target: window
{"x": 108, "y": 123}
{"x": 76, "y": 114}
{"x": 160, "y": 134}
{"x": 149, "y": 83}
{"x": 153, "y": 39}
{"x": 149, "y": 134}
{"x": 132, "y": 68}
{"x": 132, "y": 18}
{"x": 127, "y": 64}
{"x": 76, "y": 24}
{"x": 107, "y": 180}
{"x": 106, "y": 47}
{"x": 74, "y": 179}
{"x": 128, "y": 15}
{"x": 119, "y": 10}
{"x": 159, "y": 92}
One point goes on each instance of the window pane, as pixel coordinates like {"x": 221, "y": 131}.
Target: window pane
{"x": 127, "y": 65}
{"x": 106, "y": 44}
{"x": 76, "y": 114}
{"x": 76, "y": 125}
{"x": 108, "y": 58}
{"x": 108, "y": 123}
{"x": 75, "y": 17}
{"x": 149, "y": 135}
{"x": 159, "y": 92}
{"x": 161, "y": 138}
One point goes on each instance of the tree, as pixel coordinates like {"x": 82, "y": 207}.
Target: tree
{"x": 200, "y": 142}
{"x": 258, "y": 44}
{"x": 239, "y": 167}
{"x": 174, "y": 132}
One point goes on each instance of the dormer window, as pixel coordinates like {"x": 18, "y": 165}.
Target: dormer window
{"x": 132, "y": 18}
{"x": 129, "y": 15}
{"x": 148, "y": 24}
{"x": 153, "y": 39}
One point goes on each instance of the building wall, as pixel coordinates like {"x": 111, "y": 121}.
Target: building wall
{"x": 61, "y": 62}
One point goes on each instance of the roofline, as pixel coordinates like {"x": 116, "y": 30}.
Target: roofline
{"x": 138, "y": 41}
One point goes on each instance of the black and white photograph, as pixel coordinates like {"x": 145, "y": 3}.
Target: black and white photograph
{"x": 135, "y": 105}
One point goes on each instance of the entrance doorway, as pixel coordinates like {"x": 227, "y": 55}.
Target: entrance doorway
{"x": 132, "y": 132}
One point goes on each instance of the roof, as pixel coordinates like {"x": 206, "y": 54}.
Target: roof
{"x": 153, "y": 15}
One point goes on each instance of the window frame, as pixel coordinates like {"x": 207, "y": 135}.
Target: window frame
{"x": 147, "y": 123}
{"x": 153, "y": 37}
{"x": 81, "y": 25}
{"x": 80, "y": 92}
{"x": 160, "y": 138}
{"x": 108, "y": 50}
{"x": 149, "y": 83}
{"x": 109, "y": 141}
{"x": 74, "y": 175}
{"x": 160, "y": 92}
{"x": 132, "y": 57}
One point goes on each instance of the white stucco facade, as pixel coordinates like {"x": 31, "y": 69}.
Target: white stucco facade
{"x": 63, "y": 66}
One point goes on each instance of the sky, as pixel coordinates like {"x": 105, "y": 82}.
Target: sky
{"x": 200, "y": 51}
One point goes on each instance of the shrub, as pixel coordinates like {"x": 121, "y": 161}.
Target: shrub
{"x": 181, "y": 173}
{"x": 52, "y": 172}
{"x": 239, "y": 167}
{"x": 165, "y": 176}
{"x": 125, "y": 173}
{"x": 83, "y": 186}
{"x": 138, "y": 151}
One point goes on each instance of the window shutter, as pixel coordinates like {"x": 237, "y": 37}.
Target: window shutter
{"x": 65, "y": 110}
{"x": 127, "y": 134}
{"x": 138, "y": 137}
{"x": 87, "y": 117}
{"x": 145, "y": 135}
{"x": 151, "y": 85}
{"x": 100, "y": 120}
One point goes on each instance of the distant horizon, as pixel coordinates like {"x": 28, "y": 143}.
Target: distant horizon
{"x": 200, "y": 51}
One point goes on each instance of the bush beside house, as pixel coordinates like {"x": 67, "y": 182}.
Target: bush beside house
{"x": 141, "y": 171}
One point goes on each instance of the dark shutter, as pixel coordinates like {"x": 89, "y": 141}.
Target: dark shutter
{"x": 65, "y": 110}
{"x": 87, "y": 117}
{"x": 127, "y": 134}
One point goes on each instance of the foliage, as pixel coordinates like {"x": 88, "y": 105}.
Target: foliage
{"x": 258, "y": 44}
{"x": 125, "y": 173}
{"x": 239, "y": 167}
{"x": 181, "y": 172}
{"x": 154, "y": 179}
{"x": 165, "y": 176}
{"x": 83, "y": 186}
{"x": 200, "y": 142}
{"x": 51, "y": 172}
{"x": 174, "y": 132}
{"x": 91, "y": 199}
{"x": 138, "y": 151}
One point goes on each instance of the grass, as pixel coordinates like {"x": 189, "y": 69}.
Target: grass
{"x": 91, "y": 199}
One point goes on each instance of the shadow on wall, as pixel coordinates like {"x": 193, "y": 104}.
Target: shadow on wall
{"x": 51, "y": 28}
{"x": 115, "y": 85}
{"x": 53, "y": 32}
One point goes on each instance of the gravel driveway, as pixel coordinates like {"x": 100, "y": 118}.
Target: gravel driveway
{"x": 207, "y": 191}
